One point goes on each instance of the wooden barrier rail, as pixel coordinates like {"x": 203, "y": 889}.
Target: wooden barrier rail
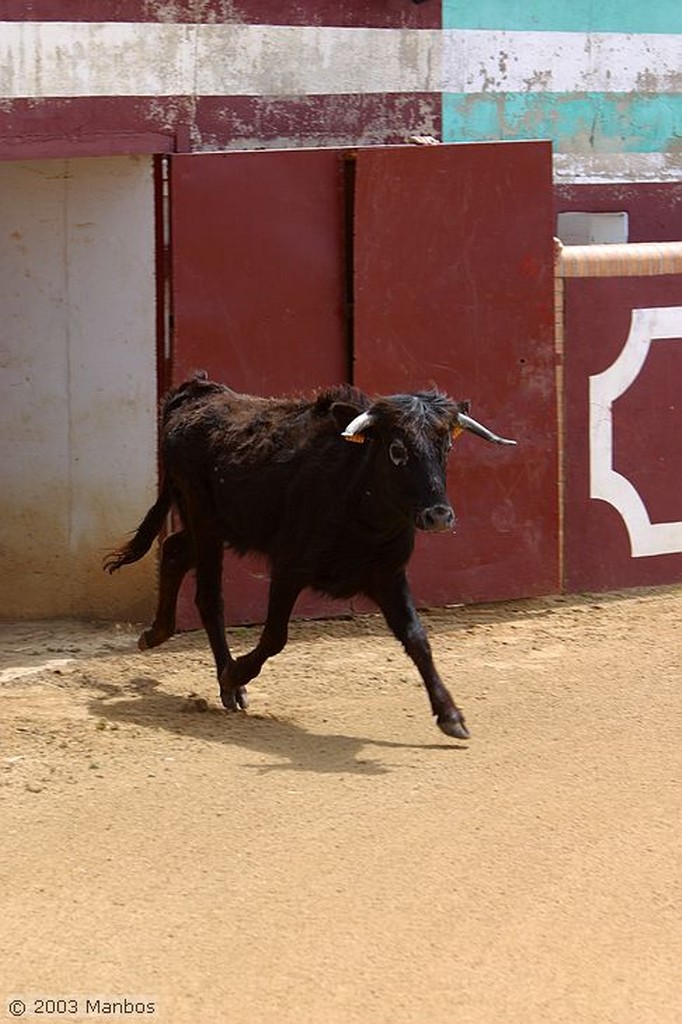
{"x": 642, "y": 259}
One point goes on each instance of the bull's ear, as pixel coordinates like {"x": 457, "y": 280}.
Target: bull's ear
{"x": 457, "y": 429}
{"x": 344, "y": 413}
{"x": 352, "y": 421}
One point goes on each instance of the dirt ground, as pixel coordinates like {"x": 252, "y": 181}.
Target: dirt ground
{"x": 330, "y": 856}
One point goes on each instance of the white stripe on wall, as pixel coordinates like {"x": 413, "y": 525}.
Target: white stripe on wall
{"x": 607, "y": 168}
{"x": 147, "y": 59}
{"x": 60, "y": 59}
{"x": 495, "y": 62}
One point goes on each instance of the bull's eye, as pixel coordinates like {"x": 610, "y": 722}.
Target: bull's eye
{"x": 398, "y": 453}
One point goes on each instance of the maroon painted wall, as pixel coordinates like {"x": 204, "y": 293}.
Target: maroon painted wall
{"x": 654, "y": 209}
{"x": 117, "y": 126}
{"x": 361, "y": 13}
{"x": 62, "y": 127}
{"x": 646, "y": 432}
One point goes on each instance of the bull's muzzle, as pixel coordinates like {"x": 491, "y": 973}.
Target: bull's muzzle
{"x": 436, "y": 519}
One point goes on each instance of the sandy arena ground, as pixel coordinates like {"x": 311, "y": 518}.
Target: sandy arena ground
{"x": 330, "y": 857}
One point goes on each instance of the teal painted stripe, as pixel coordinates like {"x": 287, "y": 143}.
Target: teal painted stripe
{"x": 565, "y": 15}
{"x": 576, "y": 123}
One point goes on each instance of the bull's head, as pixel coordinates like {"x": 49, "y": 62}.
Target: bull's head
{"x": 416, "y": 433}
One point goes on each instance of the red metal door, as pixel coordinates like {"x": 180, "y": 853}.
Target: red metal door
{"x": 454, "y": 286}
{"x": 258, "y": 295}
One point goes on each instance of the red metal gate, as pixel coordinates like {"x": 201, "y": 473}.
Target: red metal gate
{"x": 454, "y": 285}
{"x": 258, "y": 296}
{"x": 450, "y": 262}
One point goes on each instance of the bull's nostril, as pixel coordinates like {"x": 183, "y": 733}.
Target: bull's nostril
{"x": 437, "y": 518}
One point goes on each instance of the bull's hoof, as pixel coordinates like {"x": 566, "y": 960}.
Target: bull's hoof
{"x": 235, "y": 699}
{"x": 152, "y": 638}
{"x": 148, "y": 639}
{"x": 453, "y": 725}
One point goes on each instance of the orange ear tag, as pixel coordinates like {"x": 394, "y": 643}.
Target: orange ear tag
{"x": 457, "y": 432}
{"x": 354, "y": 438}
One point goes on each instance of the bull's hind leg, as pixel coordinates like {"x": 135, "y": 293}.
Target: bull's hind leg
{"x": 395, "y": 600}
{"x": 238, "y": 672}
{"x": 209, "y": 602}
{"x": 176, "y": 560}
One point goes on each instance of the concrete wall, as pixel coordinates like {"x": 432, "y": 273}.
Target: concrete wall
{"x": 78, "y": 368}
{"x": 603, "y": 81}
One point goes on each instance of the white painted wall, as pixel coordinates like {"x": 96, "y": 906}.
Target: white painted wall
{"x": 78, "y": 383}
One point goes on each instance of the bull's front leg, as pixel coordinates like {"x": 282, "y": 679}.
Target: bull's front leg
{"x": 393, "y": 596}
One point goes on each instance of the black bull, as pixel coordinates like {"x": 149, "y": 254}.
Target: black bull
{"x": 278, "y": 476}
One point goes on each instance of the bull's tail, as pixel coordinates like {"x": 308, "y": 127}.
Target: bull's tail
{"x": 148, "y": 530}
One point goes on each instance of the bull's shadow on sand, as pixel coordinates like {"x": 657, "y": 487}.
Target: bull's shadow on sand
{"x": 145, "y": 705}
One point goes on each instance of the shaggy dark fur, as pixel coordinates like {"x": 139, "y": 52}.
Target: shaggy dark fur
{"x": 276, "y": 476}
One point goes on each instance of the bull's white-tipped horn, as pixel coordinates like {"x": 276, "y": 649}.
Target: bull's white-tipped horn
{"x": 467, "y": 423}
{"x": 355, "y": 429}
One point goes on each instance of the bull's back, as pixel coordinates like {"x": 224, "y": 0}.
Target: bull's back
{"x": 234, "y": 459}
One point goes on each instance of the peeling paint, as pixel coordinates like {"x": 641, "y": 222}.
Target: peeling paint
{"x": 166, "y": 59}
{"x": 603, "y": 82}
{"x": 582, "y": 80}
{"x": 576, "y": 122}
